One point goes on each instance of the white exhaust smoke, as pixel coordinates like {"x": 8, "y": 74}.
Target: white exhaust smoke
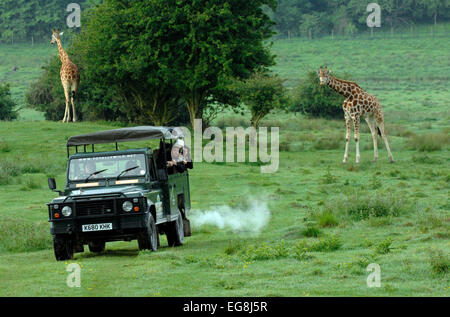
{"x": 251, "y": 219}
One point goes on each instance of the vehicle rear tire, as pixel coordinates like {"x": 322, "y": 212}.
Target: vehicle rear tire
{"x": 149, "y": 238}
{"x": 63, "y": 248}
{"x": 97, "y": 246}
{"x": 175, "y": 232}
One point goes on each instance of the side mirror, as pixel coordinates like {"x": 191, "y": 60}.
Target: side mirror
{"x": 51, "y": 183}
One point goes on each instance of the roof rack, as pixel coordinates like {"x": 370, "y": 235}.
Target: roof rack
{"x": 121, "y": 135}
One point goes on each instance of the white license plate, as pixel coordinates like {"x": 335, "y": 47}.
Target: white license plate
{"x": 97, "y": 227}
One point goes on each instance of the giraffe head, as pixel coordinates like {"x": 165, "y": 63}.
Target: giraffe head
{"x": 55, "y": 36}
{"x": 323, "y": 75}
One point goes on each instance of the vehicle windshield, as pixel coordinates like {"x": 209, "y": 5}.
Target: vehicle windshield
{"x": 107, "y": 166}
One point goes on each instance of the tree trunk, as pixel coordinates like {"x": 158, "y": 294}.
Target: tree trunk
{"x": 193, "y": 104}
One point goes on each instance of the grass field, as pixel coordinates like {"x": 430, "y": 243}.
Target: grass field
{"x": 328, "y": 220}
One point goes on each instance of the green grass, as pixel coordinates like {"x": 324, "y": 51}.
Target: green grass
{"x": 29, "y": 60}
{"x": 222, "y": 263}
{"x": 328, "y": 220}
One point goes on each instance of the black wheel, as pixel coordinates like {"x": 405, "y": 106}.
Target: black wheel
{"x": 97, "y": 246}
{"x": 175, "y": 232}
{"x": 63, "y": 248}
{"x": 148, "y": 240}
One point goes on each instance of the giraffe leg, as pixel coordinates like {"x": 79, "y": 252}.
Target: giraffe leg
{"x": 348, "y": 123}
{"x": 373, "y": 131}
{"x": 383, "y": 135}
{"x": 72, "y": 100}
{"x": 356, "y": 121}
{"x": 67, "y": 111}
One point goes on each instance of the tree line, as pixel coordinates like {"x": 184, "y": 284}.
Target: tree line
{"x": 27, "y": 20}
{"x": 308, "y": 18}
{"x": 31, "y": 20}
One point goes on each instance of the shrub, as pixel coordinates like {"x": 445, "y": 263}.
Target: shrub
{"x": 384, "y": 246}
{"x": 327, "y": 219}
{"x": 327, "y": 244}
{"x": 439, "y": 262}
{"x": 19, "y": 236}
{"x": 265, "y": 252}
{"x": 311, "y": 231}
{"x": 8, "y": 170}
{"x": 5, "y": 147}
{"x": 312, "y": 99}
{"x": 328, "y": 178}
{"x": 285, "y": 146}
{"x": 380, "y": 205}
{"x": 429, "y": 142}
{"x": 7, "y": 105}
{"x": 233, "y": 247}
{"x": 301, "y": 250}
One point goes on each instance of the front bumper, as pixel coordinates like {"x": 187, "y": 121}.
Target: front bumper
{"x": 121, "y": 225}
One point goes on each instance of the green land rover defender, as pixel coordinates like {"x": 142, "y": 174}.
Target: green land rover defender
{"x": 120, "y": 195}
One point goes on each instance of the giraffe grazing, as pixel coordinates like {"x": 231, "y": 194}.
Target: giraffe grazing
{"x": 70, "y": 77}
{"x": 357, "y": 104}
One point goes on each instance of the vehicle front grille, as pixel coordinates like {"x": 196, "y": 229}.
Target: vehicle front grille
{"x": 96, "y": 207}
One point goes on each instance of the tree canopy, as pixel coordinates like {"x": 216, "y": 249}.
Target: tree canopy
{"x": 156, "y": 60}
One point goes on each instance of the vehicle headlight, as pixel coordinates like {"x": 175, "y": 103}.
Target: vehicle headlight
{"x": 127, "y": 206}
{"x": 66, "y": 211}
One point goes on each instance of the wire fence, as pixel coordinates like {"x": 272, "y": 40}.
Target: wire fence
{"x": 431, "y": 31}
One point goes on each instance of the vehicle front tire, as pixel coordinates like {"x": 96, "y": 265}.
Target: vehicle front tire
{"x": 63, "y": 248}
{"x": 97, "y": 246}
{"x": 175, "y": 232}
{"x": 149, "y": 238}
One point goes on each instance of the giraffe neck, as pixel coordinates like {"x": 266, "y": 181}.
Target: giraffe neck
{"x": 340, "y": 86}
{"x": 62, "y": 53}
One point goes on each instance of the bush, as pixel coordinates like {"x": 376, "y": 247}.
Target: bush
{"x": 265, "y": 252}
{"x": 327, "y": 244}
{"x": 439, "y": 262}
{"x": 384, "y": 247}
{"x": 312, "y": 99}
{"x": 19, "y": 236}
{"x": 327, "y": 219}
{"x": 429, "y": 142}
{"x": 7, "y": 105}
{"x": 381, "y": 205}
{"x": 311, "y": 231}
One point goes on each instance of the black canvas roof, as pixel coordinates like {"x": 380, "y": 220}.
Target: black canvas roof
{"x": 123, "y": 135}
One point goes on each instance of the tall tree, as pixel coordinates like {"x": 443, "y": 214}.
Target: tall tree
{"x": 224, "y": 39}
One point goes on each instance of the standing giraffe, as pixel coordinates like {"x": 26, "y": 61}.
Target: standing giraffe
{"x": 70, "y": 78}
{"x": 357, "y": 104}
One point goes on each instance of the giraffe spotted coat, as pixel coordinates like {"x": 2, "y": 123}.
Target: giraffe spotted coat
{"x": 358, "y": 104}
